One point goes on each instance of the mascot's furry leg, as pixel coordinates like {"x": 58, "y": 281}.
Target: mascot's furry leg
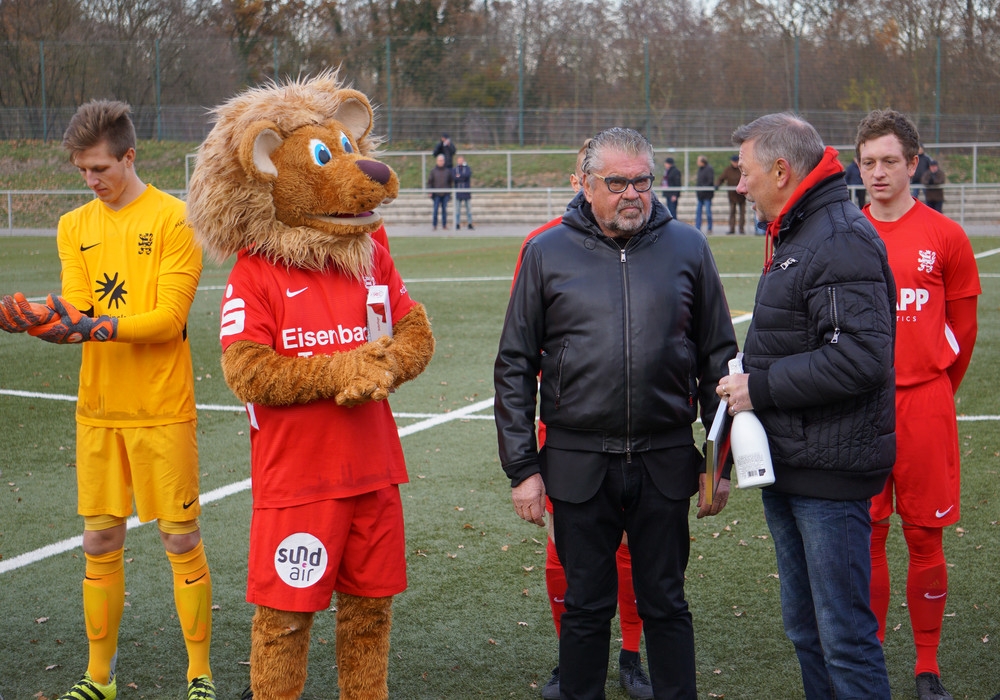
{"x": 279, "y": 653}
{"x": 363, "y": 626}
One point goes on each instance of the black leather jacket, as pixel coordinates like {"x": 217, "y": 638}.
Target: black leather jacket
{"x": 819, "y": 350}
{"x": 630, "y": 341}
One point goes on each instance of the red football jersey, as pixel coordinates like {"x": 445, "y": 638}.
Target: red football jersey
{"x": 308, "y": 452}
{"x": 933, "y": 263}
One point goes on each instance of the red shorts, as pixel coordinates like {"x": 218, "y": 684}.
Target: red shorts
{"x": 300, "y": 555}
{"x": 926, "y": 477}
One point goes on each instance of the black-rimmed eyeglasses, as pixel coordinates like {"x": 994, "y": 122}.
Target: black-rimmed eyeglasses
{"x": 617, "y": 184}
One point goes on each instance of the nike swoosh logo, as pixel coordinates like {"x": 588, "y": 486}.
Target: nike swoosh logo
{"x": 289, "y": 293}
{"x": 928, "y": 596}
{"x": 189, "y": 504}
{"x": 189, "y": 582}
{"x": 88, "y": 247}
{"x": 557, "y": 599}
{"x": 942, "y": 513}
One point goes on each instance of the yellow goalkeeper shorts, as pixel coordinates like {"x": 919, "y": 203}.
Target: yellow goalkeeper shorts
{"x": 156, "y": 466}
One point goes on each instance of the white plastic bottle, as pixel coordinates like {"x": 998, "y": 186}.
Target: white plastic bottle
{"x": 748, "y": 442}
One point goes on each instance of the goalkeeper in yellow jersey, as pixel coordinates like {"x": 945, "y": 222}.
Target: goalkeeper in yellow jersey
{"x": 130, "y": 269}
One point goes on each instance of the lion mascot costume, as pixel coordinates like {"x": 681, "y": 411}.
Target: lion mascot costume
{"x": 286, "y": 181}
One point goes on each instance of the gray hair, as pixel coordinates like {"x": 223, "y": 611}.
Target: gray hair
{"x": 617, "y": 138}
{"x": 783, "y": 135}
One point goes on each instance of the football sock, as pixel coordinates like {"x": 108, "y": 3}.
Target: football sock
{"x": 926, "y": 593}
{"x": 555, "y": 584}
{"x": 880, "y": 576}
{"x": 193, "y": 598}
{"x": 103, "y": 603}
{"x": 628, "y": 614}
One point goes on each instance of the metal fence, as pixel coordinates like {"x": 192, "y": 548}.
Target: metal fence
{"x": 498, "y": 91}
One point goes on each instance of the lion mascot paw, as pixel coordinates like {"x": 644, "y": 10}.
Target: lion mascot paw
{"x": 286, "y": 181}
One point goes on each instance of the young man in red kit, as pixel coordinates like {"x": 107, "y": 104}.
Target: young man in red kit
{"x": 937, "y": 288}
{"x": 631, "y": 675}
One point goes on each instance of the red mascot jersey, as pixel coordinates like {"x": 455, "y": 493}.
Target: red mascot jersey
{"x": 932, "y": 263}
{"x": 304, "y": 453}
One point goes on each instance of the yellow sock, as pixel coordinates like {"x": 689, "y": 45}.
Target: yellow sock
{"x": 103, "y": 602}
{"x": 193, "y": 598}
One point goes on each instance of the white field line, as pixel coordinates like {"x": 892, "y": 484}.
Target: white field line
{"x": 66, "y": 545}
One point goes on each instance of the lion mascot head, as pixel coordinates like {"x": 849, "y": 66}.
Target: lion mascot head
{"x": 287, "y": 171}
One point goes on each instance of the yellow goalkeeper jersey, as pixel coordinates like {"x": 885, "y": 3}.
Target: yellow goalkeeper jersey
{"x": 141, "y": 265}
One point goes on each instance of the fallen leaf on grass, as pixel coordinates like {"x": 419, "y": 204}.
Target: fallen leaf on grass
{"x": 49, "y": 668}
{"x": 41, "y": 620}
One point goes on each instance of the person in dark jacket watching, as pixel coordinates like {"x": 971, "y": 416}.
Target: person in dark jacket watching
{"x": 933, "y": 181}
{"x": 621, "y": 309}
{"x": 671, "y": 183}
{"x": 818, "y": 358}
{"x": 705, "y": 181}
{"x": 440, "y": 181}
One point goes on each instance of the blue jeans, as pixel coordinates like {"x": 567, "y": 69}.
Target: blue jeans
{"x": 707, "y": 205}
{"x": 671, "y": 202}
{"x": 823, "y": 549}
{"x": 441, "y": 202}
{"x": 459, "y": 203}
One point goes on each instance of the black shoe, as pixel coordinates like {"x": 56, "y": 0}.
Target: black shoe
{"x": 929, "y": 688}
{"x": 471, "y": 227}
{"x": 635, "y": 682}
{"x": 247, "y": 694}
{"x": 550, "y": 691}
{"x": 458, "y": 227}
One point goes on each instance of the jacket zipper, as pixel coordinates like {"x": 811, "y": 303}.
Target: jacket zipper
{"x": 559, "y": 371}
{"x": 834, "y": 316}
{"x": 628, "y": 356}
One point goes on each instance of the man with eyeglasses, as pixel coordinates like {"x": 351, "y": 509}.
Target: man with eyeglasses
{"x": 621, "y": 309}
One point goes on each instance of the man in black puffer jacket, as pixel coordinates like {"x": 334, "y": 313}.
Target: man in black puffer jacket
{"x": 819, "y": 363}
{"x": 621, "y": 309}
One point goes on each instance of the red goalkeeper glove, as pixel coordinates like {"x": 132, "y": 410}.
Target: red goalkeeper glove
{"x": 71, "y": 326}
{"x": 17, "y": 314}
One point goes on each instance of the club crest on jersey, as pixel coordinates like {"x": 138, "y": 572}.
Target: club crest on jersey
{"x": 146, "y": 243}
{"x": 369, "y": 281}
{"x": 926, "y": 260}
{"x": 300, "y": 560}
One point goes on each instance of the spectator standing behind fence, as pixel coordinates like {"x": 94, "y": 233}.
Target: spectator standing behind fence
{"x": 936, "y": 326}
{"x": 916, "y": 179}
{"x": 730, "y": 177}
{"x": 463, "y": 182}
{"x": 671, "y": 183}
{"x": 852, "y": 176}
{"x": 445, "y": 148}
{"x": 130, "y": 270}
{"x": 818, "y": 358}
{"x": 440, "y": 182}
{"x": 932, "y": 181}
{"x": 619, "y": 456}
{"x": 705, "y": 182}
